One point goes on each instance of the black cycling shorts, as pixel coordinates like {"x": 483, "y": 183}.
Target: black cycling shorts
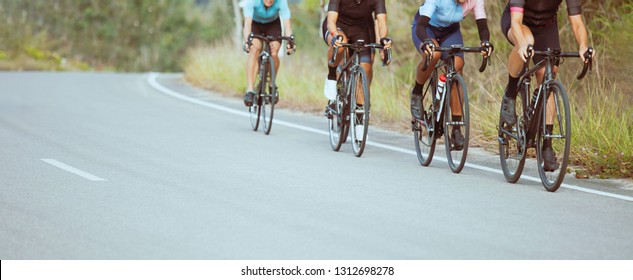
{"x": 545, "y": 36}
{"x": 354, "y": 33}
{"x": 272, "y": 28}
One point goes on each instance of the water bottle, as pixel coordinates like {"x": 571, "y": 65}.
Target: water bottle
{"x": 440, "y": 89}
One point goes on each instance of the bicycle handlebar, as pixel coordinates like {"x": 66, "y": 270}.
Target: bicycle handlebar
{"x": 360, "y": 45}
{"x": 268, "y": 39}
{"x": 587, "y": 58}
{"x": 453, "y": 49}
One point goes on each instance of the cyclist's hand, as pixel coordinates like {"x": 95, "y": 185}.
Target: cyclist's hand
{"x": 337, "y": 41}
{"x": 523, "y": 52}
{"x": 247, "y": 47}
{"x": 385, "y": 42}
{"x": 428, "y": 46}
{"x": 290, "y": 46}
{"x": 585, "y": 54}
{"x": 486, "y": 49}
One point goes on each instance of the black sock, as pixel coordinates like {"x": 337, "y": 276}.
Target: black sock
{"x": 417, "y": 89}
{"x": 331, "y": 74}
{"x": 512, "y": 90}
{"x": 456, "y": 119}
{"x": 547, "y": 143}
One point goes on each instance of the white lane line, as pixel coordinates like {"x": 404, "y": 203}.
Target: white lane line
{"x": 73, "y": 170}
{"x": 152, "y": 80}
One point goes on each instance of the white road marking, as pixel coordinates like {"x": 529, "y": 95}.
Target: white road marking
{"x": 73, "y": 170}
{"x": 152, "y": 80}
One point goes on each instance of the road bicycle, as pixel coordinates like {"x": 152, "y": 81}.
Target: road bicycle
{"x": 266, "y": 91}
{"x": 442, "y": 107}
{"x": 531, "y": 128}
{"x": 350, "y": 110}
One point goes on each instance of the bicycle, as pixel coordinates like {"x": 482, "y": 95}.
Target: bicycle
{"x": 266, "y": 91}
{"x": 437, "y": 117}
{"x": 352, "y": 79}
{"x": 530, "y": 130}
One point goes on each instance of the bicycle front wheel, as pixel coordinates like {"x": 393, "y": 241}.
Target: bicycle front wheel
{"x": 424, "y": 134}
{"x": 512, "y": 140}
{"x": 456, "y": 123}
{"x": 554, "y": 138}
{"x": 336, "y": 124}
{"x": 359, "y": 110}
{"x": 269, "y": 96}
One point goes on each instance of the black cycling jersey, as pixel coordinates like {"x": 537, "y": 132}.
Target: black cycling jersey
{"x": 543, "y": 12}
{"x": 352, "y": 13}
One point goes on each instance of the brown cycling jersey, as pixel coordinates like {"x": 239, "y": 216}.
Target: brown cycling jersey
{"x": 543, "y": 12}
{"x": 353, "y": 13}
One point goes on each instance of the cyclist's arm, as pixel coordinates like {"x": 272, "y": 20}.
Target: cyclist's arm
{"x": 287, "y": 27}
{"x": 248, "y": 21}
{"x": 580, "y": 32}
{"x": 516, "y": 28}
{"x": 382, "y": 25}
{"x": 332, "y": 17}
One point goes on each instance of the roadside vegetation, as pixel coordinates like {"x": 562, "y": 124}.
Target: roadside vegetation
{"x": 602, "y": 139}
{"x": 115, "y": 35}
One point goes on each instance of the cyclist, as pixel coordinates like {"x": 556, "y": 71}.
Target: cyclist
{"x": 263, "y": 17}
{"x": 437, "y": 24}
{"x": 534, "y": 23}
{"x": 352, "y": 20}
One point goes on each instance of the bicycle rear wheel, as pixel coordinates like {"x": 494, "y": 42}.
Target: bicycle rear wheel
{"x": 558, "y": 105}
{"x": 456, "y": 121}
{"x": 255, "y": 110}
{"x": 268, "y": 95}
{"x": 359, "y": 113}
{"x": 337, "y": 125}
{"x": 424, "y": 130}
{"x": 512, "y": 140}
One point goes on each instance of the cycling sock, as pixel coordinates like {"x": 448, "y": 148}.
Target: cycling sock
{"x": 548, "y": 131}
{"x": 511, "y": 88}
{"x": 331, "y": 74}
{"x": 417, "y": 89}
{"x": 456, "y": 119}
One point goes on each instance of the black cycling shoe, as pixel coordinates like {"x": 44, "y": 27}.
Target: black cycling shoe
{"x": 508, "y": 111}
{"x": 457, "y": 139}
{"x": 416, "y": 105}
{"x": 276, "y": 96}
{"x": 248, "y": 98}
{"x": 330, "y": 109}
{"x": 549, "y": 159}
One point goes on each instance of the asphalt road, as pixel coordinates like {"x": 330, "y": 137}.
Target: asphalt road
{"x": 134, "y": 166}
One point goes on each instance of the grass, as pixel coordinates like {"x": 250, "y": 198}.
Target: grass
{"x": 602, "y": 115}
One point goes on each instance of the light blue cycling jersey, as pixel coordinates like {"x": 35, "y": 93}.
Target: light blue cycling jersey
{"x": 257, "y": 10}
{"x": 443, "y": 13}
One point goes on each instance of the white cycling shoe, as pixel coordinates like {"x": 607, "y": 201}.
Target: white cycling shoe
{"x": 360, "y": 131}
{"x": 329, "y": 89}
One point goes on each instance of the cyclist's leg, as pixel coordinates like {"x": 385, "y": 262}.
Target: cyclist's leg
{"x": 515, "y": 65}
{"x": 547, "y": 37}
{"x": 251, "y": 64}
{"x": 454, "y": 37}
{"x": 274, "y": 29}
{"x": 329, "y": 88}
{"x": 421, "y": 76}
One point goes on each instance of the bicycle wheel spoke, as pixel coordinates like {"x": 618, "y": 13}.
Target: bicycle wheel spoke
{"x": 512, "y": 142}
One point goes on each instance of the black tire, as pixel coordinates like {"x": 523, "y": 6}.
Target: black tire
{"x": 267, "y": 104}
{"x": 424, "y": 134}
{"x": 456, "y": 157}
{"x": 560, "y": 136}
{"x": 337, "y": 125}
{"x": 512, "y": 140}
{"x": 359, "y": 116}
